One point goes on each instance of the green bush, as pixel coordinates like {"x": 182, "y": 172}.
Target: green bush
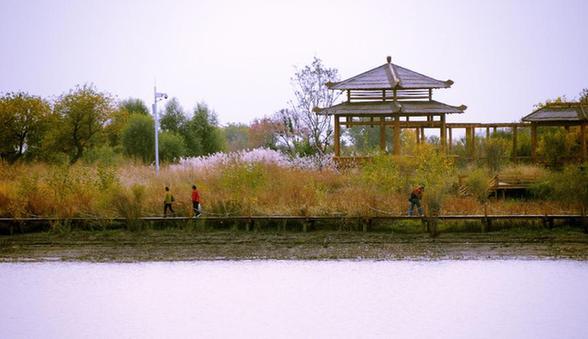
{"x": 138, "y": 137}
{"x": 478, "y": 182}
{"x": 171, "y": 147}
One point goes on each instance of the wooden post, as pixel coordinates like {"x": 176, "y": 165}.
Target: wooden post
{"x": 513, "y": 154}
{"x": 337, "y": 137}
{"x": 443, "y": 134}
{"x": 348, "y": 95}
{"x": 423, "y": 140}
{"x": 583, "y": 141}
{"x": 534, "y": 141}
{"x": 396, "y": 150}
{"x": 418, "y": 136}
{"x": 473, "y": 132}
{"x": 468, "y": 140}
{"x": 449, "y": 144}
{"x": 487, "y": 133}
{"x": 382, "y": 135}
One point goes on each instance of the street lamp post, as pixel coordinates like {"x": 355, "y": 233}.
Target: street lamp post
{"x": 156, "y": 97}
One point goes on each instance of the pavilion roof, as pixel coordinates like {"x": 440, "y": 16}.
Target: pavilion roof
{"x": 389, "y": 76}
{"x": 559, "y": 112}
{"x": 390, "y": 107}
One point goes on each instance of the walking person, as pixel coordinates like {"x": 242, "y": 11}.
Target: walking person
{"x": 415, "y": 200}
{"x": 195, "y": 201}
{"x": 168, "y": 199}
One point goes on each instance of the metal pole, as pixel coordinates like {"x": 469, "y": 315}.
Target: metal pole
{"x": 156, "y": 117}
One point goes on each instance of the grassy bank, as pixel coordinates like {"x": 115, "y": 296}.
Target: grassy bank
{"x": 404, "y": 242}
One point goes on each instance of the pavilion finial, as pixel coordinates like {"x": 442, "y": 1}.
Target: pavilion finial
{"x": 389, "y": 59}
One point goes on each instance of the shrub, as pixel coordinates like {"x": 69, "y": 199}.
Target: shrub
{"x": 171, "y": 147}
{"x": 497, "y": 152}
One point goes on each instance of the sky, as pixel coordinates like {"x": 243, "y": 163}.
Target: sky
{"x": 239, "y": 56}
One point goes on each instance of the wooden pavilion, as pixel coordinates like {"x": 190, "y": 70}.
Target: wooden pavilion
{"x": 559, "y": 114}
{"x": 390, "y": 96}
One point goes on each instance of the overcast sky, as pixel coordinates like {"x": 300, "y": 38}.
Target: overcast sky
{"x": 239, "y": 56}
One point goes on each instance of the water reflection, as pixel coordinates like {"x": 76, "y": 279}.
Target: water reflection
{"x": 293, "y": 299}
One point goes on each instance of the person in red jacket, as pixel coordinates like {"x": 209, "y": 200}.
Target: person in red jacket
{"x": 415, "y": 200}
{"x": 195, "y": 201}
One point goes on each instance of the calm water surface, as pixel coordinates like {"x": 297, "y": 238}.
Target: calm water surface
{"x": 293, "y": 299}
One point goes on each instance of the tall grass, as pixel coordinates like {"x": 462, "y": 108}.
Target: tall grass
{"x": 246, "y": 184}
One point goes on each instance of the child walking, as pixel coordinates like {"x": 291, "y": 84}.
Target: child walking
{"x": 168, "y": 199}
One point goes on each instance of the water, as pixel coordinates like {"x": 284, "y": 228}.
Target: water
{"x": 294, "y": 299}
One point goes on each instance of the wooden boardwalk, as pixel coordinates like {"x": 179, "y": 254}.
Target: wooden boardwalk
{"x": 280, "y": 222}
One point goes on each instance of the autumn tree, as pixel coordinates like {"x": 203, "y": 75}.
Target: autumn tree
{"x": 82, "y": 113}
{"x": 25, "y": 119}
{"x": 263, "y": 133}
{"x": 310, "y": 91}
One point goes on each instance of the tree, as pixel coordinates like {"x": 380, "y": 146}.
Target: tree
{"x": 134, "y": 105}
{"x": 289, "y": 130}
{"x": 263, "y": 133}
{"x": 310, "y": 91}
{"x": 173, "y": 118}
{"x": 584, "y": 96}
{"x": 138, "y": 137}
{"x": 236, "y": 136}
{"x": 171, "y": 146}
{"x": 120, "y": 117}
{"x": 204, "y": 129}
{"x": 83, "y": 113}
{"x": 364, "y": 138}
{"x": 25, "y": 119}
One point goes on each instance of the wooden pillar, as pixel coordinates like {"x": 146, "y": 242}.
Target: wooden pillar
{"x": 583, "y": 141}
{"x": 468, "y": 141}
{"x": 534, "y": 141}
{"x": 382, "y": 135}
{"x": 423, "y": 140}
{"x": 443, "y": 134}
{"x": 473, "y": 132}
{"x": 513, "y": 154}
{"x": 396, "y": 143}
{"x": 494, "y": 130}
{"x": 487, "y": 133}
{"x": 450, "y": 141}
{"x": 337, "y": 137}
{"x": 418, "y": 136}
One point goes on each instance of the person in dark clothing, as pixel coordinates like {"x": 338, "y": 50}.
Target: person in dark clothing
{"x": 415, "y": 200}
{"x": 168, "y": 199}
{"x": 195, "y": 201}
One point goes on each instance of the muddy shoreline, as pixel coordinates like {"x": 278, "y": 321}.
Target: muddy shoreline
{"x": 181, "y": 245}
